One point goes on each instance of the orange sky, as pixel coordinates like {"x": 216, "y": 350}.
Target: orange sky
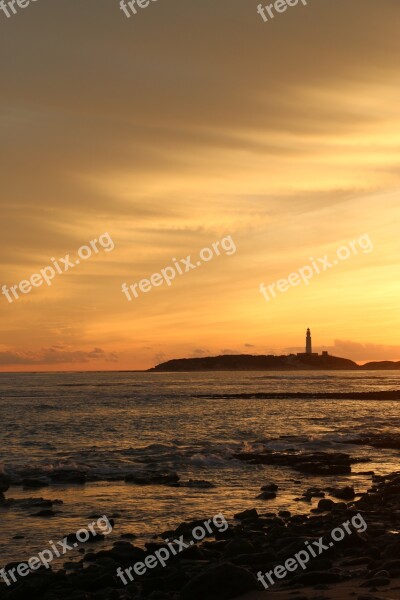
{"x": 171, "y": 130}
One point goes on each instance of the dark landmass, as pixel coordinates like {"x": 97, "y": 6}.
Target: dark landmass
{"x": 291, "y": 362}
{"x": 387, "y": 365}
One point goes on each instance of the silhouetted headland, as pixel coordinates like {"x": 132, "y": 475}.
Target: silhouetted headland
{"x": 291, "y": 362}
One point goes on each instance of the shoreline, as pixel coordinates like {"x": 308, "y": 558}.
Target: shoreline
{"x": 227, "y": 565}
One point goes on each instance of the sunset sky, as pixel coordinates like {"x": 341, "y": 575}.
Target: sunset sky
{"x": 187, "y": 123}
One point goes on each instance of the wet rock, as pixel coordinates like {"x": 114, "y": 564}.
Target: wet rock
{"x": 128, "y": 536}
{"x": 46, "y": 512}
{"x": 34, "y": 483}
{"x": 325, "y": 504}
{"x": 223, "y": 581}
{"x": 4, "y": 483}
{"x": 238, "y": 546}
{"x": 378, "y": 440}
{"x": 266, "y": 496}
{"x": 92, "y": 537}
{"x": 153, "y": 478}
{"x": 68, "y": 476}
{"x": 382, "y": 573}
{"x": 315, "y": 577}
{"x": 345, "y": 493}
{"x": 316, "y": 463}
{"x": 201, "y": 484}
{"x": 376, "y": 582}
{"x": 29, "y": 503}
{"x": 247, "y": 514}
{"x": 269, "y": 487}
{"x": 392, "y": 567}
{"x": 340, "y": 506}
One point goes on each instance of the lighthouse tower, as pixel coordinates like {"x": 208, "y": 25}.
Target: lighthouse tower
{"x": 309, "y": 351}
{"x": 308, "y": 342}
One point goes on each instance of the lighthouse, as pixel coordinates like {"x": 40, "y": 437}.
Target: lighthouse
{"x": 309, "y": 351}
{"x": 308, "y": 342}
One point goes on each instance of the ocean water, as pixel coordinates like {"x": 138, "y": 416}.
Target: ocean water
{"x": 112, "y": 424}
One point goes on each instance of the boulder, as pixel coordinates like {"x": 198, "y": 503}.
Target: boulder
{"x": 222, "y": 581}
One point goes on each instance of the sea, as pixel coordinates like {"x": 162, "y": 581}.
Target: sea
{"x": 112, "y": 424}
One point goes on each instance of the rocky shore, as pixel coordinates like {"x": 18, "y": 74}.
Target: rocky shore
{"x": 364, "y": 565}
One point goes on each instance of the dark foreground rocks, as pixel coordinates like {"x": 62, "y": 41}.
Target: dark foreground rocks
{"x": 225, "y": 565}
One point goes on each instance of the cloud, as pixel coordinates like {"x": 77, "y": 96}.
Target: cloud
{"x": 199, "y": 352}
{"x": 54, "y": 355}
{"x": 365, "y": 352}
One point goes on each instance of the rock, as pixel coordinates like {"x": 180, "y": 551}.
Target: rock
{"x": 4, "y": 483}
{"x": 340, "y": 506}
{"x": 93, "y": 537}
{"x": 201, "y": 484}
{"x": 378, "y": 440}
{"x": 376, "y": 582}
{"x": 382, "y": 573}
{"x": 315, "y": 577}
{"x": 68, "y": 476}
{"x": 222, "y": 581}
{"x": 238, "y": 546}
{"x": 254, "y": 560}
{"x": 321, "y": 564}
{"x": 128, "y": 536}
{"x": 392, "y": 566}
{"x": 247, "y": 514}
{"x": 315, "y": 463}
{"x": 266, "y": 496}
{"x": 34, "y": 483}
{"x": 325, "y": 504}
{"x": 392, "y": 549}
{"x": 269, "y": 487}
{"x": 46, "y": 512}
{"x": 153, "y": 478}
{"x": 345, "y": 493}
